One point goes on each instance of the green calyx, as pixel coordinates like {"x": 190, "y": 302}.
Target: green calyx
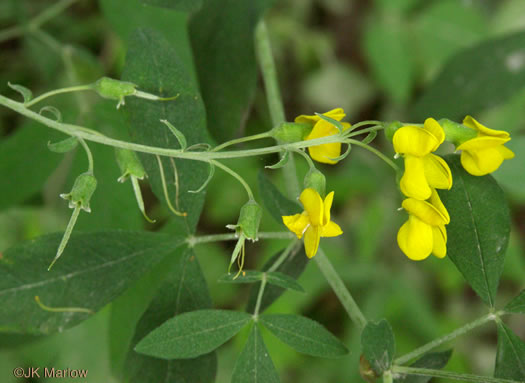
{"x": 391, "y": 128}
{"x": 83, "y": 189}
{"x": 289, "y": 132}
{"x": 114, "y": 89}
{"x": 316, "y": 180}
{"x": 457, "y": 133}
{"x": 129, "y": 165}
{"x": 249, "y": 220}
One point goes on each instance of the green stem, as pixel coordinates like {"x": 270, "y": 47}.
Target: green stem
{"x": 454, "y": 334}
{"x": 279, "y": 261}
{"x": 37, "y": 21}
{"x": 58, "y": 91}
{"x": 306, "y": 157}
{"x": 337, "y": 284}
{"x": 363, "y": 131}
{"x": 236, "y": 176}
{"x": 232, "y": 236}
{"x": 449, "y": 375}
{"x": 391, "y": 163}
{"x": 259, "y": 296}
{"x": 88, "y": 153}
{"x": 240, "y": 140}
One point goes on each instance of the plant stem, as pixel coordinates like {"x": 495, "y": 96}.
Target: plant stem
{"x": 232, "y": 236}
{"x": 58, "y": 91}
{"x": 236, "y": 176}
{"x": 439, "y": 341}
{"x": 449, "y": 375}
{"x": 391, "y": 163}
{"x": 337, "y": 284}
{"x": 278, "y": 262}
{"x": 259, "y": 296}
{"x": 240, "y": 140}
{"x": 88, "y": 153}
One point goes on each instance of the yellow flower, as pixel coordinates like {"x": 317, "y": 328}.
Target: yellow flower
{"x": 424, "y": 232}
{"x": 423, "y": 170}
{"x": 314, "y": 222}
{"x": 485, "y": 153}
{"x": 324, "y": 153}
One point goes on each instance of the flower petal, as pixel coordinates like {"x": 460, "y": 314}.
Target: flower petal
{"x": 433, "y": 127}
{"x": 437, "y": 172}
{"x": 424, "y": 211}
{"x": 470, "y": 122}
{"x": 313, "y": 204}
{"x": 331, "y": 229}
{"x": 436, "y": 202}
{"x": 297, "y": 223}
{"x": 327, "y": 206}
{"x": 337, "y": 114}
{"x": 324, "y": 153}
{"x": 414, "y": 183}
{"x": 439, "y": 235}
{"x": 481, "y": 162}
{"x": 415, "y": 239}
{"x": 311, "y": 240}
{"x": 481, "y": 143}
{"x": 415, "y": 141}
{"x": 505, "y": 152}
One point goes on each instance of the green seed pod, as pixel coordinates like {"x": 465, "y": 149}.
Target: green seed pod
{"x": 455, "y": 132}
{"x": 291, "y": 132}
{"x": 114, "y": 89}
{"x": 83, "y": 189}
{"x": 129, "y": 164}
{"x": 316, "y": 180}
{"x": 391, "y": 128}
{"x": 249, "y": 219}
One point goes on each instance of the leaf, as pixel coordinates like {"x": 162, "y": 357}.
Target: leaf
{"x": 293, "y": 266}
{"x": 192, "y": 334}
{"x": 378, "y": 345}
{"x": 177, "y": 133}
{"x": 304, "y": 335}
{"x": 282, "y": 280}
{"x": 177, "y": 5}
{"x": 273, "y": 278}
{"x": 277, "y": 204}
{"x": 54, "y": 111}
{"x": 330, "y": 120}
{"x": 478, "y": 233}
{"x": 510, "y": 358}
{"x": 432, "y": 360}
{"x": 248, "y": 276}
{"x": 222, "y": 37}
{"x": 370, "y": 137}
{"x": 153, "y": 64}
{"x": 210, "y": 176}
{"x": 516, "y": 305}
{"x": 254, "y": 364}
{"x": 26, "y": 93}
{"x": 184, "y": 289}
{"x": 94, "y": 269}
{"x": 63, "y": 146}
{"x": 460, "y": 88}
{"x": 20, "y": 178}
{"x": 281, "y": 163}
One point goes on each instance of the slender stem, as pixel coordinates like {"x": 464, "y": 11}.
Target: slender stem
{"x": 439, "y": 341}
{"x": 391, "y": 163}
{"x": 58, "y": 91}
{"x": 232, "y": 236}
{"x": 306, "y": 157}
{"x": 236, "y": 176}
{"x": 337, "y": 284}
{"x": 448, "y": 375}
{"x": 363, "y": 123}
{"x": 240, "y": 140}
{"x": 363, "y": 131}
{"x": 259, "y": 296}
{"x": 289, "y": 249}
{"x": 39, "y": 20}
{"x": 88, "y": 153}
{"x": 62, "y": 309}
{"x": 165, "y": 189}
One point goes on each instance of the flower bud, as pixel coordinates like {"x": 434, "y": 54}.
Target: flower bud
{"x": 83, "y": 189}
{"x": 316, "y": 180}
{"x": 249, "y": 219}
{"x": 457, "y": 133}
{"x": 129, "y": 164}
{"x": 391, "y": 128}
{"x": 114, "y": 89}
{"x": 291, "y": 132}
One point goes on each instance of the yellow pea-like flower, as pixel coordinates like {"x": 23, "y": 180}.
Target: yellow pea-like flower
{"x": 424, "y": 171}
{"x": 321, "y": 128}
{"x": 424, "y": 233}
{"x": 314, "y": 222}
{"x": 485, "y": 153}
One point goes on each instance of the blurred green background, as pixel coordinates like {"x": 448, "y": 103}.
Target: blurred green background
{"x": 376, "y": 59}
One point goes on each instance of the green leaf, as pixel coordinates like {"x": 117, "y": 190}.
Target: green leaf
{"x": 184, "y": 289}
{"x": 248, "y": 276}
{"x": 63, "y": 146}
{"x": 274, "y": 278}
{"x": 516, "y": 305}
{"x": 460, "y": 88}
{"x": 388, "y": 53}
{"x": 52, "y": 110}
{"x": 177, "y": 5}
{"x": 293, "y": 266}
{"x": 478, "y": 233}
{"x": 19, "y": 177}
{"x": 378, "y": 344}
{"x": 510, "y": 358}
{"x": 192, "y": 334}
{"x": 282, "y": 280}
{"x": 335, "y": 123}
{"x": 254, "y": 364}
{"x": 222, "y": 37}
{"x": 177, "y": 133}
{"x": 304, "y": 335}
{"x": 26, "y": 93}
{"x": 277, "y": 204}
{"x": 432, "y": 360}
{"x": 281, "y": 163}
{"x": 154, "y": 65}
{"x": 94, "y": 269}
